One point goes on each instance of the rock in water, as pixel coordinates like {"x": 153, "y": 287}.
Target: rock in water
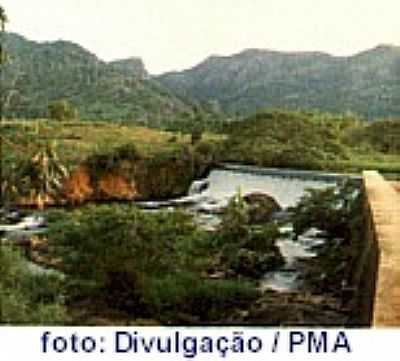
{"x": 198, "y": 186}
{"x": 261, "y": 207}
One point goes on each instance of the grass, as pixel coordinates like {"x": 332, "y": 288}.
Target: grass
{"x": 314, "y": 141}
{"x": 384, "y": 163}
{"x": 165, "y": 250}
{"x": 76, "y": 141}
{"x": 27, "y": 298}
{"x": 269, "y": 138}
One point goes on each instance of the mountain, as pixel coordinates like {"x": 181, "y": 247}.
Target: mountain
{"x": 131, "y": 66}
{"x": 38, "y": 73}
{"x": 367, "y": 83}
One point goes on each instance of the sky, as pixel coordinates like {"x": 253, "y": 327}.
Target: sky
{"x": 177, "y": 34}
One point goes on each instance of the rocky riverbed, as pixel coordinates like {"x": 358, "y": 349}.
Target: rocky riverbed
{"x": 286, "y": 298}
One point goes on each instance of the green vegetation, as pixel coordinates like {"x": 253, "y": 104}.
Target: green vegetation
{"x": 338, "y": 214}
{"x": 184, "y": 298}
{"x": 268, "y": 138}
{"x": 121, "y": 264}
{"x": 246, "y": 249}
{"x": 257, "y": 78}
{"x": 163, "y": 163}
{"x": 75, "y": 141}
{"x": 154, "y": 265}
{"x": 331, "y": 209}
{"x": 38, "y": 179}
{"x": 62, "y": 110}
{"x": 3, "y": 20}
{"x": 42, "y": 73}
{"x": 26, "y": 297}
{"x": 307, "y": 140}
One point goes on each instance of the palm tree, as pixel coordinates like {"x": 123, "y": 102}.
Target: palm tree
{"x": 37, "y": 180}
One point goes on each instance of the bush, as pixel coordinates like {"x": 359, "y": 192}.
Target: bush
{"x": 245, "y": 249}
{"x": 277, "y": 139}
{"x": 102, "y": 163}
{"x": 146, "y": 264}
{"x": 28, "y": 298}
{"x": 208, "y": 150}
{"x": 338, "y": 213}
{"x": 185, "y": 297}
{"x": 119, "y": 248}
{"x": 327, "y": 209}
{"x": 235, "y": 220}
{"x": 263, "y": 239}
{"x": 62, "y": 110}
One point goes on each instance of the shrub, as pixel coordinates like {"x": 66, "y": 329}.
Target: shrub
{"x": 28, "y": 298}
{"x": 277, "y": 139}
{"x": 119, "y": 248}
{"x": 62, "y": 110}
{"x": 263, "y": 239}
{"x": 235, "y": 220}
{"x": 338, "y": 212}
{"x": 327, "y": 209}
{"x": 245, "y": 249}
{"x": 180, "y": 297}
{"x": 105, "y": 162}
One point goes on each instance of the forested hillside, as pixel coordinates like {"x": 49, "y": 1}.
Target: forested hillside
{"x": 39, "y": 73}
{"x": 367, "y": 83}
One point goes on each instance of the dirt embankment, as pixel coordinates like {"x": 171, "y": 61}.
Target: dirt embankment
{"x": 134, "y": 179}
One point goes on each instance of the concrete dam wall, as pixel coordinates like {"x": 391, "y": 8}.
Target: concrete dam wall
{"x": 379, "y": 271}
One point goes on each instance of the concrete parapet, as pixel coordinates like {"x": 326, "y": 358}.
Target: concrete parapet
{"x": 396, "y": 186}
{"x": 383, "y": 211}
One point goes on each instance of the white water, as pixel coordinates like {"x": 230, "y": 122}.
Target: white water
{"x": 286, "y": 278}
{"x": 287, "y": 190}
{"x": 222, "y": 184}
{"x": 27, "y": 223}
{"x": 207, "y": 198}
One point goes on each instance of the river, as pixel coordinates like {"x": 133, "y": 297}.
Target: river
{"x": 208, "y": 197}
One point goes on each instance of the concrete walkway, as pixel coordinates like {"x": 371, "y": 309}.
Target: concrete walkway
{"x": 384, "y": 209}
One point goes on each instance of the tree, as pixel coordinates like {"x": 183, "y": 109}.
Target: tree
{"x": 3, "y": 20}
{"x": 62, "y": 110}
{"x": 38, "y": 180}
{"x": 198, "y": 124}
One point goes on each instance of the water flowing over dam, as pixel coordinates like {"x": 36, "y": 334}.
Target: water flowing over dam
{"x": 376, "y": 274}
{"x": 208, "y": 197}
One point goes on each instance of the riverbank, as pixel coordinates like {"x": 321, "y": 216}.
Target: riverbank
{"x": 99, "y": 158}
{"x": 313, "y": 141}
{"x": 224, "y": 265}
{"x": 176, "y": 257}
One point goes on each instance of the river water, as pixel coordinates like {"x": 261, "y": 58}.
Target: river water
{"x": 208, "y": 197}
{"x": 287, "y": 188}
